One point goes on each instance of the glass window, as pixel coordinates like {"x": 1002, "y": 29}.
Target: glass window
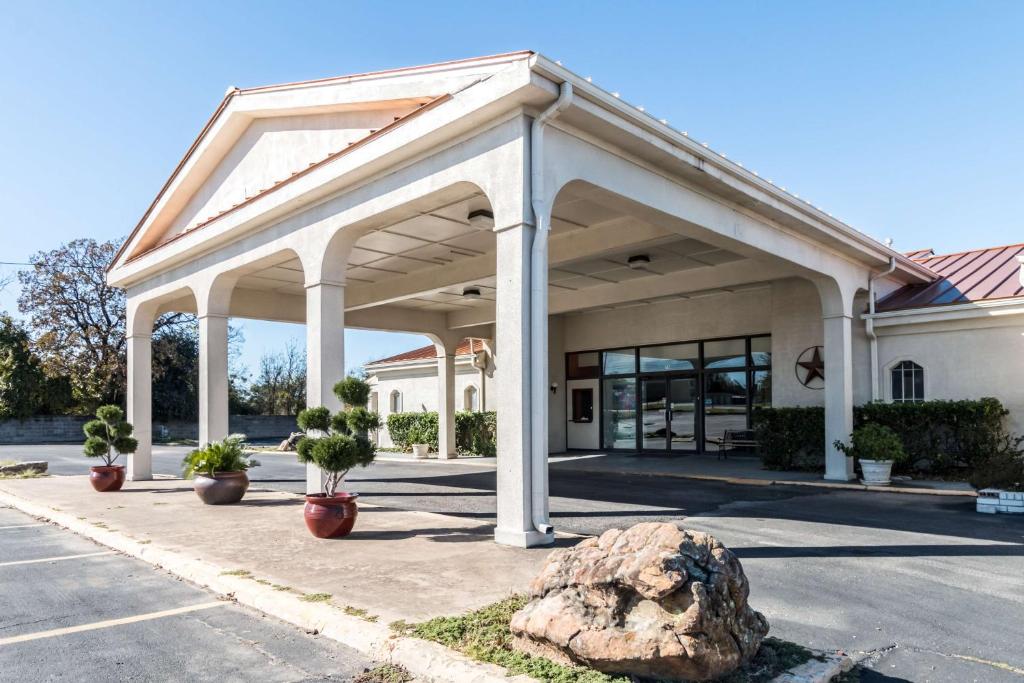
{"x": 620, "y": 362}
{"x": 907, "y": 382}
{"x": 670, "y": 357}
{"x": 583, "y": 365}
{"x": 396, "y": 401}
{"x": 725, "y": 405}
{"x": 619, "y": 413}
{"x": 582, "y": 405}
{"x": 469, "y": 399}
{"x": 761, "y": 351}
{"x": 728, "y": 353}
{"x": 762, "y": 389}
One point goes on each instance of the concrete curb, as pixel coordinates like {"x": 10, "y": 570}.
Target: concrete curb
{"x": 817, "y": 671}
{"x": 425, "y": 660}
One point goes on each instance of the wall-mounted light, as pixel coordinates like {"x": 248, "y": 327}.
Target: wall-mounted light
{"x": 481, "y": 219}
{"x": 471, "y": 293}
{"x": 554, "y": 387}
{"x": 638, "y": 261}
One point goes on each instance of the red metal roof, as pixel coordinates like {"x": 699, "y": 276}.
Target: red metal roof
{"x": 969, "y": 276}
{"x": 427, "y": 353}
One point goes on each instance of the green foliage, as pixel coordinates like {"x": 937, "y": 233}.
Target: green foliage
{"x": 484, "y": 635}
{"x": 999, "y": 471}
{"x": 353, "y": 392}
{"x": 314, "y": 418}
{"x": 475, "y": 433}
{"x": 336, "y": 455}
{"x": 873, "y": 441}
{"x": 385, "y": 673}
{"x": 25, "y": 389}
{"x": 790, "y": 438}
{"x": 360, "y": 420}
{"x": 108, "y": 435}
{"x": 339, "y": 423}
{"x": 221, "y": 456}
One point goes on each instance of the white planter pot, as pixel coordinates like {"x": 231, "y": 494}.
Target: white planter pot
{"x": 876, "y": 472}
{"x": 420, "y": 451}
{"x": 991, "y": 501}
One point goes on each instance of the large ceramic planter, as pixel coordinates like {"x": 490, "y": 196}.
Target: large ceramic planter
{"x": 420, "y": 451}
{"x": 107, "y": 478}
{"x": 223, "y": 488}
{"x": 331, "y": 517}
{"x": 876, "y": 472}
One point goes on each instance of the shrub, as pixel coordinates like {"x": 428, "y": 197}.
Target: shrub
{"x": 314, "y": 418}
{"x": 353, "y": 392}
{"x": 339, "y": 423}
{"x": 475, "y": 433}
{"x": 360, "y": 420}
{"x": 336, "y": 455}
{"x": 791, "y": 438}
{"x": 400, "y": 425}
{"x": 109, "y": 436}
{"x": 873, "y": 441}
{"x": 1000, "y": 471}
{"x": 222, "y": 456}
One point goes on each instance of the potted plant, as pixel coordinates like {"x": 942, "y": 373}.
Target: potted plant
{"x": 332, "y": 514}
{"x": 876, "y": 447}
{"x": 418, "y": 439}
{"x": 219, "y": 471}
{"x": 107, "y": 437}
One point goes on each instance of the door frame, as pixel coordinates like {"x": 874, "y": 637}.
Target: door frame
{"x": 698, "y": 412}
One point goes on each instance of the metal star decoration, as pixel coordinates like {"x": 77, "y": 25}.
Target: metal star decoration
{"x": 815, "y": 367}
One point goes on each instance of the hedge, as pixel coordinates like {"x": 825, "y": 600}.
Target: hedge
{"x": 475, "y": 433}
{"x": 939, "y": 437}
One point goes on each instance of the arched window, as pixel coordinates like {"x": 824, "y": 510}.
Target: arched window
{"x": 907, "y": 382}
{"x": 470, "y": 399}
{"x": 396, "y": 401}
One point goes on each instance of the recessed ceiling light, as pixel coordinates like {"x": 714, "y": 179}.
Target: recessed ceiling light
{"x": 471, "y": 293}
{"x": 638, "y": 261}
{"x": 481, "y": 219}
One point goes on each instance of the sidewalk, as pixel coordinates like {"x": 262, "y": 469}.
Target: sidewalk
{"x": 736, "y": 469}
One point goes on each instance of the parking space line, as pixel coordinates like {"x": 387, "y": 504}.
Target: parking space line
{"x": 20, "y": 526}
{"x": 56, "y": 559}
{"x": 110, "y": 622}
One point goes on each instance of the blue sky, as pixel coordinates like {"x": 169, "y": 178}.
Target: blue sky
{"x": 903, "y": 119}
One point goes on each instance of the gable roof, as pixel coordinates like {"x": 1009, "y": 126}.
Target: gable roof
{"x": 428, "y": 352}
{"x": 965, "y": 277}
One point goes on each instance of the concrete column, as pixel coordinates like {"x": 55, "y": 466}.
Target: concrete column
{"x": 213, "y": 378}
{"x": 838, "y": 394}
{"x": 325, "y": 355}
{"x": 515, "y": 523}
{"x": 140, "y": 405}
{"x": 446, "y": 403}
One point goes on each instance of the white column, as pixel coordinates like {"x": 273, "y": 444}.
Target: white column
{"x": 446, "y": 404}
{"x": 325, "y": 355}
{"x": 515, "y": 524}
{"x": 140, "y": 405}
{"x": 838, "y": 394}
{"x": 213, "y": 378}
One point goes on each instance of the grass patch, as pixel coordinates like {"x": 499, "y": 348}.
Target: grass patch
{"x": 385, "y": 673}
{"x": 359, "y": 612}
{"x": 484, "y": 636}
{"x": 144, "y": 542}
{"x": 316, "y": 597}
{"x": 282, "y": 587}
{"x": 31, "y": 474}
{"x": 244, "y": 573}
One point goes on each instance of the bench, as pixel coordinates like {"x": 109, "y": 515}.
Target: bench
{"x": 732, "y": 439}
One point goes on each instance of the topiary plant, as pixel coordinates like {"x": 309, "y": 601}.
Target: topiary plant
{"x": 222, "y": 456}
{"x": 873, "y": 441}
{"x": 335, "y": 455}
{"x": 339, "y": 423}
{"x": 360, "y": 421}
{"x": 318, "y": 418}
{"x": 353, "y": 392}
{"x": 109, "y": 436}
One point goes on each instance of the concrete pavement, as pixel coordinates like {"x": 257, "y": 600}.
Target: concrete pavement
{"x": 74, "y": 610}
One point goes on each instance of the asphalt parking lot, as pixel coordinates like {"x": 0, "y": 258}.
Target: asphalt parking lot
{"x": 72, "y": 610}
{"x": 925, "y": 588}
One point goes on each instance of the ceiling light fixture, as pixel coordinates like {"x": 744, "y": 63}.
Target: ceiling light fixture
{"x": 471, "y": 293}
{"x": 638, "y": 261}
{"x": 481, "y": 219}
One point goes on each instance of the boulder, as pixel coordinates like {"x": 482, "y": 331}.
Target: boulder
{"x": 654, "y": 601}
{"x": 289, "y": 443}
{"x": 37, "y": 466}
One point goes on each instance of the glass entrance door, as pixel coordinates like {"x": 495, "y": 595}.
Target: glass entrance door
{"x": 668, "y": 414}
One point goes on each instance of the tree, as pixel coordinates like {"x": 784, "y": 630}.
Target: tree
{"x": 25, "y": 390}
{"x": 176, "y": 374}
{"x": 280, "y": 385}
{"x": 109, "y": 436}
{"x": 78, "y": 321}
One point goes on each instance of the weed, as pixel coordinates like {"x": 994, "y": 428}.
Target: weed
{"x": 316, "y": 597}
{"x": 244, "y": 573}
{"x": 358, "y": 612}
{"x": 385, "y": 673}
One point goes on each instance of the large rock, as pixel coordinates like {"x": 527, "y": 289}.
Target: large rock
{"x": 653, "y": 600}
{"x": 30, "y": 467}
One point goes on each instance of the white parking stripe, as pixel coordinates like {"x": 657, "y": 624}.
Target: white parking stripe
{"x": 20, "y": 526}
{"x": 56, "y": 559}
{"x": 110, "y": 622}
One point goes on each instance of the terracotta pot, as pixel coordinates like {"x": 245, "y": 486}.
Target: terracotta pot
{"x": 331, "y": 517}
{"x": 106, "y": 478}
{"x": 223, "y": 488}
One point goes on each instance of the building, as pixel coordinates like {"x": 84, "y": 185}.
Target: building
{"x": 605, "y": 258}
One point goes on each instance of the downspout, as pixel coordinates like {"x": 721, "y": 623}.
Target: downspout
{"x": 539, "y": 313}
{"x": 869, "y": 326}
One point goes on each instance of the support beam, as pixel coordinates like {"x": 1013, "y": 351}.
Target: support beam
{"x": 325, "y": 355}
{"x": 446, "y": 402}
{"x": 140, "y": 405}
{"x": 838, "y": 395}
{"x": 213, "y": 378}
